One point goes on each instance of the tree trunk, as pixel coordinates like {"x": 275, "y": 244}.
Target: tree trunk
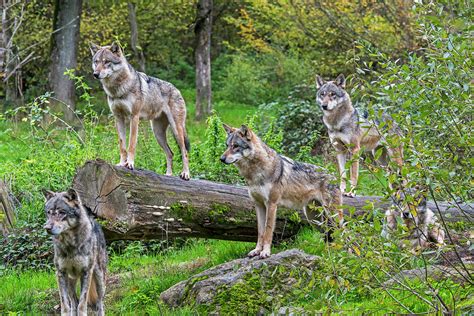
{"x": 140, "y": 204}
{"x": 12, "y": 80}
{"x": 64, "y": 46}
{"x": 138, "y": 52}
{"x": 7, "y": 214}
{"x": 203, "y": 30}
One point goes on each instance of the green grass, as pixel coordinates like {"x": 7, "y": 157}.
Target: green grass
{"x": 48, "y": 159}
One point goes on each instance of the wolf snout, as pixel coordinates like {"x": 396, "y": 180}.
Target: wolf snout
{"x": 325, "y": 107}
{"x": 49, "y": 228}
{"x": 223, "y": 159}
{"x": 96, "y": 75}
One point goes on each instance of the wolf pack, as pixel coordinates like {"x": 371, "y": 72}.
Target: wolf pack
{"x": 273, "y": 180}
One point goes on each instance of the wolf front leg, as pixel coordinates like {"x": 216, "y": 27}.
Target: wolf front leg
{"x": 63, "y": 285}
{"x": 132, "y": 142}
{"x": 122, "y": 138}
{"x": 269, "y": 228}
{"x": 86, "y": 279}
{"x": 354, "y": 169}
{"x": 261, "y": 217}
{"x": 341, "y": 164}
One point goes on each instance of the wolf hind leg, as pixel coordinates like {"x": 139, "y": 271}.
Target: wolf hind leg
{"x": 177, "y": 120}
{"x": 97, "y": 291}
{"x": 159, "y": 127}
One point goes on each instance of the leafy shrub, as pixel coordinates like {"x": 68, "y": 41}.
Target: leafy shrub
{"x": 299, "y": 119}
{"x": 29, "y": 247}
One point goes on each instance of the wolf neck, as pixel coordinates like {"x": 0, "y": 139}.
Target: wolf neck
{"x": 345, "y": 109}
{"x": 260, "y": 166}
{"x": 121, "y": 82}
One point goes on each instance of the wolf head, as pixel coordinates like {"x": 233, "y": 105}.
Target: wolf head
{"x": 107, "y": 60}
{"x": 63, "y": 211}
{"x": 411, "y": 202}
{"x": 331, "y": 94}
{"x": 239, "y": 144}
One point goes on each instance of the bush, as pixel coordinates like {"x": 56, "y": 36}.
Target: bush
{"x": 299, "y": 119}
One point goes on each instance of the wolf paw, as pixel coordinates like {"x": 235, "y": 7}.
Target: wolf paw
{"x": 184, "y": 175}
{"x": 350, "y": 194}
{"x": 130, "y": 165}
{"x": 265, "y": 253}
{"x": 254, "y": 253}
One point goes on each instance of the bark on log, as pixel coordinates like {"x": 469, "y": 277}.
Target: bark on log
{"x": 7, "y": 214}
{"x": 143, "y": 205}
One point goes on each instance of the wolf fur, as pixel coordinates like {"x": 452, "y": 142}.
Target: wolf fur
{"x": 275, "y": 180}
{"x": 349, "y": 132}
{"x": 422, "y": 224}
{"x": 132, "y": 96}
{"x": 79, "y": 253}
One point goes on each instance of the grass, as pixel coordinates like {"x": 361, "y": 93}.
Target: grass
{"x": 35, "y": 159}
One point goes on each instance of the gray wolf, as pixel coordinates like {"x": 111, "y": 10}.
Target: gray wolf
{"x": 79, "y": 253}
{"x": 349, "y": 131}
{"x": 274, "y": 180}
{"x": 132, "y": 96}
{"x": 422, "y": 224}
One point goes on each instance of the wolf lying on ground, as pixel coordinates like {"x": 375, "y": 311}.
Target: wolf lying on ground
{"x": 132, "y": 96}
{"x": 349, "y": 131}
{"x": 79, "y": 253}
{"x": 422, "y": 224}
{"x": 275, "y": 180}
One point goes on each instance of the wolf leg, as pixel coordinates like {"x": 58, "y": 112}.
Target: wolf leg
{"x": 99, "y": 279}
{"x": 71, "y": 286}
{"x": 261, "y": 217}
{"x": 86, "y": 279}
{"x": 177, "y": 123}
{"x": 159, "y": 126}
{"x": 341, "y": 164}
{"x": 122, "y": 137}
{"x": 63, "y": 293}
{"x": 132, "y": 142}
{"x": 354, "y": 169}
{"x": 269, "y": 228}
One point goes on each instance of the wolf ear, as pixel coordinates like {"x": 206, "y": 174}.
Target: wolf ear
{"x": 115, "y": 48}
{"x": 341, "y": 81}
{"x": 94, "y": 48}
{"x": 246, "y": 132}
{"x": 71, "y": 195}
{"x": 319, "y": 82}
{"x": 48, "y": 194}
{"x": 228, "y": 129}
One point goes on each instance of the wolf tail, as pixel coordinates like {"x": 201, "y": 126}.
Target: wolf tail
{"x": 92, "y": 295}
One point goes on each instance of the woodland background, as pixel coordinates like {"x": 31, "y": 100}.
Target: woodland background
{"x": 412, "y": 59}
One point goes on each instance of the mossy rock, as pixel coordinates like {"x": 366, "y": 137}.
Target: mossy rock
{"x": 248, "y": 285}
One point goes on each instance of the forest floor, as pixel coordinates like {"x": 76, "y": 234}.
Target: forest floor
{"x": 349, "y": 283}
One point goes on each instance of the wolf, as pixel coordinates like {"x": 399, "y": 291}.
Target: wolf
{"x": 79, "y": 253}
{"x": 132, "y": 96}
{"x": 274, "y": 180}
{"x": 349, "y": 131}
{"x": 421, "y": 223}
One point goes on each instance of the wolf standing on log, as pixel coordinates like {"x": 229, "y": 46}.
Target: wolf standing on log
{"x": 132, "y": 96}
{"x": 79, "y": 253}
{"x": 349, "y": 132}
{"x": 274, "y": 180}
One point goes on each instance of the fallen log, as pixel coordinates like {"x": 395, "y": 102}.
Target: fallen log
{"x": 142, "y": 205}
{"x": 7, "y": 213}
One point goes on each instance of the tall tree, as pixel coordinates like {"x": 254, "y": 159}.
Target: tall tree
{"x": 137, "y": 51}
{"x": 64, "y": 47}
{"x": 203, "y": 31}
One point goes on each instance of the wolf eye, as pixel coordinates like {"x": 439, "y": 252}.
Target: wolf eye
{"x": 331, "y": 94}
{"x": 323, "y": 94}
{"x": 234, "y": 146}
